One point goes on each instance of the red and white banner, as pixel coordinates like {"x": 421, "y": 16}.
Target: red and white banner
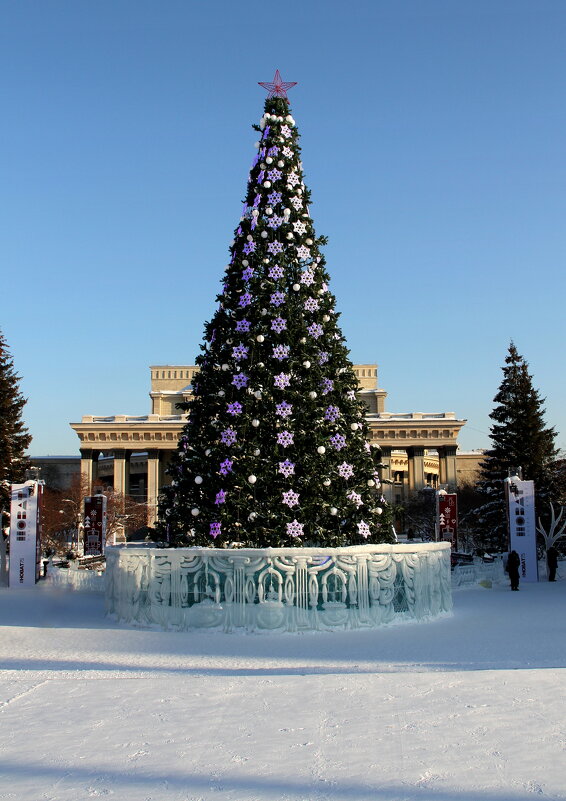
{"x": 520, "y": 498}
{"x": 25, "y": 534}
{"x": 94, "y": 525}
{"x": 447, "y": 517}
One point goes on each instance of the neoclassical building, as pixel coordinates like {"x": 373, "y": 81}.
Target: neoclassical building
{"x": 132, "y": 453}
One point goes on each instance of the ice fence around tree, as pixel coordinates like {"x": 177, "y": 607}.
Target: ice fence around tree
{"x": 278, "y": 589}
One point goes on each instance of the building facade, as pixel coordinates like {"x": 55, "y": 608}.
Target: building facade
{"x": 132, "y": 453}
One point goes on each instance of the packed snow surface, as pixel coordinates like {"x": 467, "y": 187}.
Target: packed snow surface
{"x": 464, "y": 707}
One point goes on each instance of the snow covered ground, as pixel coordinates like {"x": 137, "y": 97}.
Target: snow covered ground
{"x": 467, "y": 707}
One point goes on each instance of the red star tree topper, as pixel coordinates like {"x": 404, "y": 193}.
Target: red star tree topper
{"x": 278, "y": 87}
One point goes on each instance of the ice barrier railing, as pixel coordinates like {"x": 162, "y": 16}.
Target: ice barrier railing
{"x": 278, "y": 589}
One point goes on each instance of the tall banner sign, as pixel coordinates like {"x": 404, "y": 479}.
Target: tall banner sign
{"x": 25, "y": 533}
{"x": 520, "y": 497}
{"x": 94, "y": 525}
{"x": 447, "y": 517}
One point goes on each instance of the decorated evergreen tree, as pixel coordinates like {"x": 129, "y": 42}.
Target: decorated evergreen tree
{"x": 275, "y": 451}
{"x": 520, "y": 439}
{"x": 14, "y": 437}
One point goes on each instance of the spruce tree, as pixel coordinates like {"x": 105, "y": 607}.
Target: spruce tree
{"x": 520, "y": 439}
{"x": 275, "y": 451}
{"x": 14, "y": 437}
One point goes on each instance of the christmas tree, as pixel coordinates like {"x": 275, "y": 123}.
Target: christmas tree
{"x": 14, "y": 436}
{"x": 275, "y": 451}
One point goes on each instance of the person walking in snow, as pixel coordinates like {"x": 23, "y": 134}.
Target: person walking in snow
{"x": 552, "y": 562}
{"x": 513, "y": 563}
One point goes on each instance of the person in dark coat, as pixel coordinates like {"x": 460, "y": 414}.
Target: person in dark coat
{"x": 513, "y": 564}
{"x": 552, "y": 562}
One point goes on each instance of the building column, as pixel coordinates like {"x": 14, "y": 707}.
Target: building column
{"x": 153, "y": 485}
{"x": 447, "y": 465}
{"x": 89, "y": 459}
{"x": 122, "y": 471}
{"x": 415, "y": 459}
{"x": 385, "y": 473}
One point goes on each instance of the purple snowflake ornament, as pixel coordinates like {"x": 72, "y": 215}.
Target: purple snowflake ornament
{"x": 278, "y": 324}
{"x": 240, "y": 380}
{"x": 282, "y": 380}
{"x": 286, "y": 468}
{"x": 338, "y": 441}
{"x": 228, "y": 436}
{"x": 285, "y": 438}
{"x": 295, "y": 529}
{"x": 215, "y": 529}
{"x": 311, "y": 305}
{"x": 226, "y": 467}
{"x": 332, "y": 413}
{"x": 355, "y": 498}
{"x": 240, "y": 352}
{"x": 345, "y": 470}
{"x": 291, "y": 498}
{"x": 284, "y": 409}
{"x": 281, "y": 352}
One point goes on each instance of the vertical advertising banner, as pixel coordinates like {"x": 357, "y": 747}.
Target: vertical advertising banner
{"x": 25, "y": 542}
{"x": 447, "y": 518}
{"x": 94, "y": 525}
{"x": 520, "y": 497}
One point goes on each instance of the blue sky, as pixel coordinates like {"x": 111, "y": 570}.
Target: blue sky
{"x": 433, "y": 142}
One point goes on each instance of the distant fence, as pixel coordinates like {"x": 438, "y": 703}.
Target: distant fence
{"x": 466, "y": 575}
{"x": 72, "y": 579}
